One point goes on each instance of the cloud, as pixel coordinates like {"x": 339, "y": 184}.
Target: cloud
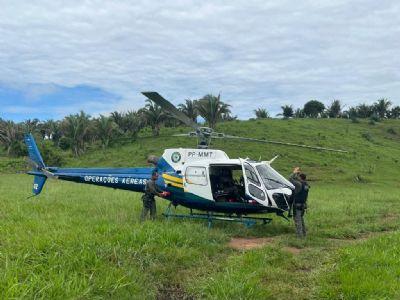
{"x": 256, "y": 53}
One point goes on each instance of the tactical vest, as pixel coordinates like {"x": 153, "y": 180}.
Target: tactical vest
{"x": 148, "y": 195}
{"x": 301, "y": 197}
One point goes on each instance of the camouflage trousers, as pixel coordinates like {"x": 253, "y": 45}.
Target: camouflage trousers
{"x": 149, "y": 206}
{"x": 298, "y": 217}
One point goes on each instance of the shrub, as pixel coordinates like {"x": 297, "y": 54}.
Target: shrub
{"x": 367, "y": 136}
{"x": 354, "y": 120}
{"x": 18, "y": 148}
{"x": 50, "y": 155}
{"x": 391, "y": 131}
{"x": 375, "y": 118}
{"x": 64, "y": 143}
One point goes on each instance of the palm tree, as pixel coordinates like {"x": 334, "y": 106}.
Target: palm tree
{"x": 51, "y": 130}
{"x": 395, "y": 112}
{"x": 287, "y": 111}
{"x": 351, "y": 113}
{"x": 299, "y": 113}
{"x": 31, "y": 126}
{"x": 129, "y": 123}
{"x": 189, "y": 108}
{"x": 133, "y": 122}
{"x": 154, "y": 116}
{"x": 261, "y": 113}
{"x": 118, "y": 119}
{"x": 381, "y": 107}
{"x": 364, "y": 110}
{"x": 105, "y": 130}
{"x": 212, "y": 109}
{"x": 11, "y": 137}
{"x": 77, "y": 129}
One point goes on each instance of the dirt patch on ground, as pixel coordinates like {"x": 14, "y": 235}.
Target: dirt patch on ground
{"x": 390, "y": 217}
{"x": 249, "y": 243}
{"x": 254, "y": 243}
{"x": 173, "y": 292}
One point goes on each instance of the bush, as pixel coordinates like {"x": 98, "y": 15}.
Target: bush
{"x": 354, "y": 120}
{"x": 64, "y": 143}
{"x": 375, "y": 118}
{"x": 50, "y": 155}
{"x": 18, "y": 149}
{"x": 391, "y": 131}
{"x": 367, "y": 136}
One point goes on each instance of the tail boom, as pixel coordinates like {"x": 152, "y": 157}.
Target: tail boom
{"x": 133, "y": 179}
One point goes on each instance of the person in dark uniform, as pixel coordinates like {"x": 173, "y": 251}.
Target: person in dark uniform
{"x": 299, "y": 205}
{"x": 149, "y": 203}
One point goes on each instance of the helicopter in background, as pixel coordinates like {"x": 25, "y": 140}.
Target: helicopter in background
{"x": 201, "y": 178}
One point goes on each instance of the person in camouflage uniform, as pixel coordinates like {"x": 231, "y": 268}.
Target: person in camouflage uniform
{"x": 299, "y": 204}
{"x": 149, "y": 203}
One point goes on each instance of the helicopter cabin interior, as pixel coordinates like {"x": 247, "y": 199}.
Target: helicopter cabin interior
{"x": 227, "y": 184}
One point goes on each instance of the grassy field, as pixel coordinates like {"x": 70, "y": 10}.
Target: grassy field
{"x": 79, "y": 241}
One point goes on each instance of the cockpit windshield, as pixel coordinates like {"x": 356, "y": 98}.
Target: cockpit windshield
{"x": 271, "y": 178}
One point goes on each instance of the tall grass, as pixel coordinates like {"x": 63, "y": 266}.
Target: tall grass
{"x": 86, "y": 241}
{"x": 79, "y": 241}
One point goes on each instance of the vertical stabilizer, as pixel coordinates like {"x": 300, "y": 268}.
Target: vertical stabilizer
{"x": 38, "y": 164}
{"x": 33, "y": 151}
{"x": 38, "y": 183}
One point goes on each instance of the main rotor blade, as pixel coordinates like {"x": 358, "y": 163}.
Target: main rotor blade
{"x": 170, "y": 108}
{"x": 280, "y": 143}
{"x": 189, "y": 134}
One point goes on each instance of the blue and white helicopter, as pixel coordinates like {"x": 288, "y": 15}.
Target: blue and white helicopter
{"x": 200, "y": 179}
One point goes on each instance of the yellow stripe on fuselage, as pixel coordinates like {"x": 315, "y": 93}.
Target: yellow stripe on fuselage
{"x": 174, "y": 184}
{"x": 172, "y": 178}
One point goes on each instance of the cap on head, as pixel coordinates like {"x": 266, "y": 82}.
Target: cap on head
{"x": 152, "y": 159}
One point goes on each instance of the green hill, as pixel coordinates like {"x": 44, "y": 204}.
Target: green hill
{"x": 374, "y": 150}
{"x": 80, "y": 241}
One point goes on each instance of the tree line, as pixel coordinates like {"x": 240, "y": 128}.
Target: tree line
{"x": 381, "y": 109}
{"x": 77, "y": 131}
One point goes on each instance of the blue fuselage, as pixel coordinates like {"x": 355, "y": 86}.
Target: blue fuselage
{"x": 135, "y": 179}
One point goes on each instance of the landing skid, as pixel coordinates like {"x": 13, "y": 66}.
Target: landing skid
{"x": 210, "y": 217}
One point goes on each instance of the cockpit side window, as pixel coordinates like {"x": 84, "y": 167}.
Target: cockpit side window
{"x": 251, "y": 175}
{"x": 196, "y": 175}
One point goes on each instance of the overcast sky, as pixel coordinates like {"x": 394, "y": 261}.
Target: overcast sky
{"x": 57, "y": 57}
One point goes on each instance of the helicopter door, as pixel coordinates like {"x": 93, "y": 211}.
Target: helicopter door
{"x": 196, "y": 182}
{"x": 253, "y": 185}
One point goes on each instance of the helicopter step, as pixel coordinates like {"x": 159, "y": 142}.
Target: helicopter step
{"x": 210, "y": 217}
